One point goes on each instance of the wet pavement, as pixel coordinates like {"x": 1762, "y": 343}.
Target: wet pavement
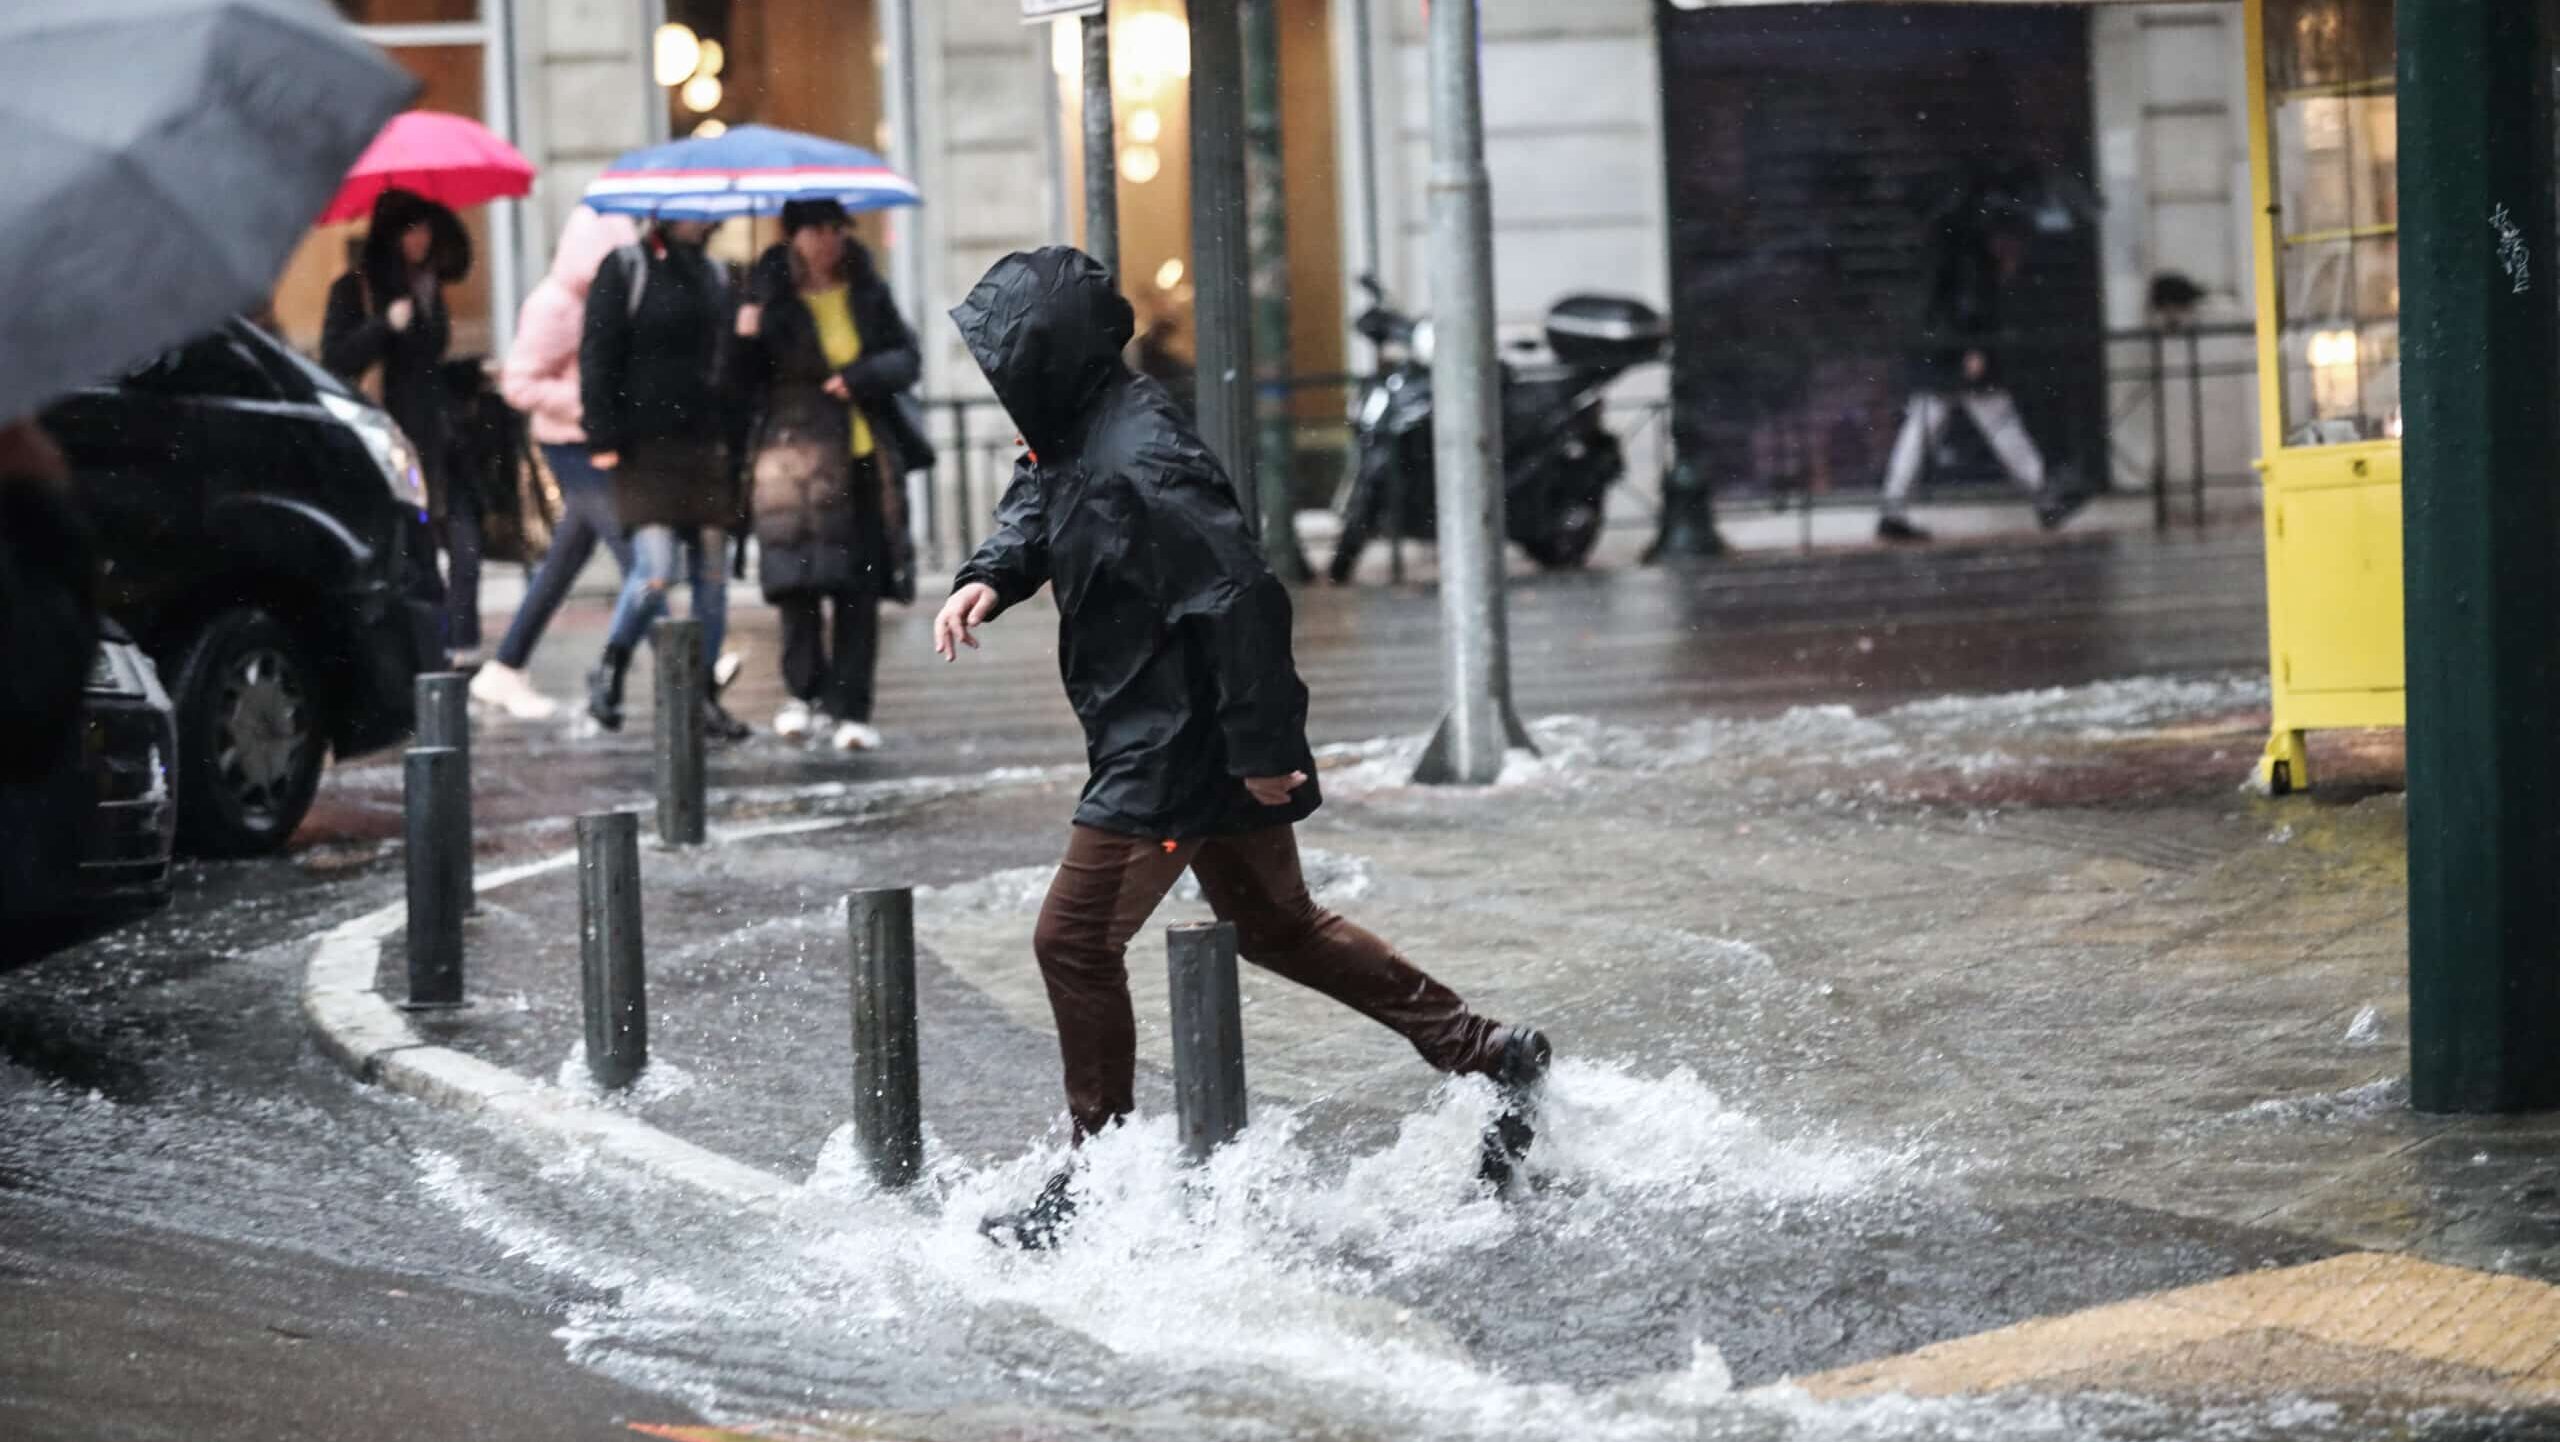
{"x": 1888, "y": 1020}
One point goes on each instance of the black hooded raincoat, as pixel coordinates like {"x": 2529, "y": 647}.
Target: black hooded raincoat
{"x": 1173, "y": 635}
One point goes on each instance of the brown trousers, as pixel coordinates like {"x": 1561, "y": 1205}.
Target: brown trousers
{"x": 1110, "y": 884}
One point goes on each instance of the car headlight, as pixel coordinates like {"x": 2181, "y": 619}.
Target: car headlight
{"x": 120, "y": 669}
{"x": 1424, "y": 339}
{"x": 388, "y": 447}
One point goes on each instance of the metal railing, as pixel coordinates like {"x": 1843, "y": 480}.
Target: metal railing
{"x": 2179, "y": 422}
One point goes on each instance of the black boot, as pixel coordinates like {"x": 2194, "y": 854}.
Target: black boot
{"x": 1519, "y": 1074}
{"x": 1895, "y": 528}
{"x": 604, "y": 688}
{"x": 1040, "y": 1226}
{"x": 719, "y": 725}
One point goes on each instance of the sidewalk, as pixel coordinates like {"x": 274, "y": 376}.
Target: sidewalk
{"x": 1880, "y": 1032}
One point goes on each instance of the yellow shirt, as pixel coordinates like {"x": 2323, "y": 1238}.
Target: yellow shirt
{"x": 832, "y": 309}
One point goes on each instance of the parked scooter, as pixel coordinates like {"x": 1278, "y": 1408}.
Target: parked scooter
{"x": 1559, "y": 459}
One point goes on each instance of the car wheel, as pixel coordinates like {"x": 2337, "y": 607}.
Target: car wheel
{"x": 250, "y": 742}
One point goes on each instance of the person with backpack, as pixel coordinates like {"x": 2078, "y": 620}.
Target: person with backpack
{"x": 1173, "y": 641}
{"x": 657, "y": 423}
{"x": 388, "y": 314}
{"x": 822, "y": 356}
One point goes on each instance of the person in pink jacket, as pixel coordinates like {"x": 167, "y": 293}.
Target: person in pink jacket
{"x": 540, "y": 379}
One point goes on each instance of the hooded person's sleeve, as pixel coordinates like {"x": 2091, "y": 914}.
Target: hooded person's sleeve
{"x": 604, "y": 355}
{"x": 1013, "y": 561}
{"x": 1208, "y": 573}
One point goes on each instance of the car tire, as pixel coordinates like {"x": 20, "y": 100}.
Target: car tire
{"x": 250, "y": 738}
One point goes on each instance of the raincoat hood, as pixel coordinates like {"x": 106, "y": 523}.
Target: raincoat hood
{"x": 1047, "y": 326}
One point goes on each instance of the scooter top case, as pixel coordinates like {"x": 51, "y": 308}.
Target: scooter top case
{"x": 1610, "y": 332}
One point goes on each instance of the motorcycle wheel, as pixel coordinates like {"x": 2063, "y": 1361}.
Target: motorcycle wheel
{"x": 1359, "y": 514}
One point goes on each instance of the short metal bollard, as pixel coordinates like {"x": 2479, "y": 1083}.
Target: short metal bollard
{"x": 444, "y": 719}
{"x": 436, "y": 796}
{"x": 888, "y": 1116}
{"x": 1208, "y": 1036}
{"x": 678, "y": 647}
{"x": 610, "y": 957}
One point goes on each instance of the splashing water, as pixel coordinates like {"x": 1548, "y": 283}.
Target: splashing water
{"x": 1257, "y": 1285}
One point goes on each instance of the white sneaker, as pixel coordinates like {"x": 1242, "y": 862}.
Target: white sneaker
{"x": 793, "y": 722}
{"x": 511, "y": 691}
{"x": 856, "y": 736}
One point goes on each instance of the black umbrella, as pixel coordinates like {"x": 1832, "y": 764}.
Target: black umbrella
{"x": 164, "y": 158}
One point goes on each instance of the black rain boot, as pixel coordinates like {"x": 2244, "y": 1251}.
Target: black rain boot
{"x": 1518, "y": 1076}
{"x": 1895, "y": 528}
{"x": 604, "y": 688}
{"x": 719, "y": 725}
{"x": 1040, "y": 1226}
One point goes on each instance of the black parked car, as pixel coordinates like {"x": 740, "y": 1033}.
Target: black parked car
{"x": 265, "y": 538}
{"x": 92, "y": 841}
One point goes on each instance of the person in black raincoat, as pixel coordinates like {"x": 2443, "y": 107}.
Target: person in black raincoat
{"x": 388, "y": 311}
{"x": 1173, "y": 639}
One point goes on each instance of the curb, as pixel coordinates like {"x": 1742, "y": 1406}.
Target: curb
{"x": 366, "y": 1034}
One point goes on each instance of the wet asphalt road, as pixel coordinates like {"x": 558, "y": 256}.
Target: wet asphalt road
{"x": 211, "y": 1233}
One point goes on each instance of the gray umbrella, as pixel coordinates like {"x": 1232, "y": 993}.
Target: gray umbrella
{"x": 164, "y": 158}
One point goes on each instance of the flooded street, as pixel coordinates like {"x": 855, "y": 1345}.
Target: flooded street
{"x": 1896, "y": 1005}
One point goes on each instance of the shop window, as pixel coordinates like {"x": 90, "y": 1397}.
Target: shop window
{"x": 2333, "y": 114}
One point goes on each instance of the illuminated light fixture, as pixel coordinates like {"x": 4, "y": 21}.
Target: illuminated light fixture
{"x": 2334, "y": 377}
{"x": 702, "y": 94}
{"x": 1140, "y": 164}
{"x": 1146, "y": 126}
{"x": 1169, "y": 275}
{"x": 715, "y": 58}
{"x": 711, "y": 129}
{"x": 675, "y": 54}
{"x": 1149, "y": 52}
{"x": 2331, "y": 348}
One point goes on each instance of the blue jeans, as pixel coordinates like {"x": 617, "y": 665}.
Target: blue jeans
{"x": 654, "y": 551}
{"x": 586, "y": 520}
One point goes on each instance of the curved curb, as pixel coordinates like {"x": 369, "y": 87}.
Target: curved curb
{"x": 370, "y": 1037}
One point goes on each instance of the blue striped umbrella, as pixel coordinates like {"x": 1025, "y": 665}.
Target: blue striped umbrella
{"x": 748, "y": 170}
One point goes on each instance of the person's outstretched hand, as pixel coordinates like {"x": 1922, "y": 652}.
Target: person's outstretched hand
{"x": 1275, "y": 790}
{"x": 968, "y": 609}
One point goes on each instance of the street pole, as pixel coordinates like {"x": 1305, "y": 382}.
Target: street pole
{"x": 1219, "y": 254}
{"x": 1101, "y": 148}
{"x": 1466, "y": 386}
{"x": 1276, "y": 451}
{"x": 2478, "y": 355}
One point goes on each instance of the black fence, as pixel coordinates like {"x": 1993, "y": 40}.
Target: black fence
{"x": 2180, "y": 424}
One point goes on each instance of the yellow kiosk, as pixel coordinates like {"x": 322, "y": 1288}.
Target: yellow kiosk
{"x": 2323, "y": 154}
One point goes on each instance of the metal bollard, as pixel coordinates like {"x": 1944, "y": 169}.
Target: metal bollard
{"x": 1208, "y": 1036}
{"x": 888, "y": 1116}
{"x": 436, "y": 817}
{"x": 609, "y": 947}
{"x": 678, "y": 646}
{"x": 444, "y": 719}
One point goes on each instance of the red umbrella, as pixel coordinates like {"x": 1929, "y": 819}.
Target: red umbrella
{"x": 449, "y": 159}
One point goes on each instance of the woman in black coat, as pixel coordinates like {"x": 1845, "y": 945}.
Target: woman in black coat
{"x": 823, "y": 354}
{"x": 388, "y": 311}
{"x": 657, "y": 422}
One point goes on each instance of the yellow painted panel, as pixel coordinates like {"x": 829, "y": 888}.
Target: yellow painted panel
{"x": 2337, "y": 565}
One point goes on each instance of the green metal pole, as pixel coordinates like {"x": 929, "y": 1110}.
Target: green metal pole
{"x": 2482, "y": 512}
{"x": 1276, "y": 447}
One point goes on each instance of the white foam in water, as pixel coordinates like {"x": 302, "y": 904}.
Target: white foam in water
{"x": 2366, "y": 1029}
{"x": 658, "y": 1081}
{"x": 1260, "y": 1277}
{"x": 2372, "y": 1099}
